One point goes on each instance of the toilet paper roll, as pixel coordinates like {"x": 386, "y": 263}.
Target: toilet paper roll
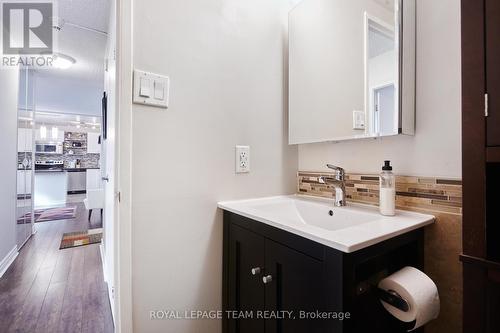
{"x": 418, "y": 290}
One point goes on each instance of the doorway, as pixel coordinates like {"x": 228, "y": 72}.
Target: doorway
{"x": 383, "y": 110}
{"x": 65, "y": 181}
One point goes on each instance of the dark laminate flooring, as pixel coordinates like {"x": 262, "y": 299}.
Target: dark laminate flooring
{"x": 52, "y": 290}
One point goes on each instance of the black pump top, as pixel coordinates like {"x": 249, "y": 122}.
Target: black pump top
{"x": 387, "y": 166}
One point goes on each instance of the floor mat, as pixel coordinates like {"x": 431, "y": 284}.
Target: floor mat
{"x": 80, "y": 238}
{"x": 58, "y": 213}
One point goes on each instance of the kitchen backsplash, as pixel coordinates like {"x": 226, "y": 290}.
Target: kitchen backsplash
{"x": 20, "y": 159}
{"x": 87, "y": 160}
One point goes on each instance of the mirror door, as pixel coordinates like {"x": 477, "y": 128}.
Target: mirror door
{"x": 24, "y": 211}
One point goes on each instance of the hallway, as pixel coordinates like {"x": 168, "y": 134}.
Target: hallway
{"x": 52, "y": 290}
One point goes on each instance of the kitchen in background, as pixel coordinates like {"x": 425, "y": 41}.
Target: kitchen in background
{"x": 67, "y": 157}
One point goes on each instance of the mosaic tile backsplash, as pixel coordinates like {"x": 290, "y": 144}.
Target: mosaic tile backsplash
{"x": 87, "y": 160}
{"x": 431, "y": 194}
{"x": 443, "y": 240}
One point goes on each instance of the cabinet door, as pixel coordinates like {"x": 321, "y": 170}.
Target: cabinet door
{"x": 93, "y": 146}
{"x": 28, "y": 181}
{"x": 21, "y": 139}
{"x": 28, "y": 144}
{"x": 21, "y": 182}
{"x": 245, "y": 290}
{"x": 492, "y": 12}
{"x": 298, "y": 285}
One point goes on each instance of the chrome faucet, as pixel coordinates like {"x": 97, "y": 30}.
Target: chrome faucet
{"x": 338, "y": 182}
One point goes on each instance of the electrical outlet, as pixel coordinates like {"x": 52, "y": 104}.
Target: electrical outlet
{"x": 242, "y": 159}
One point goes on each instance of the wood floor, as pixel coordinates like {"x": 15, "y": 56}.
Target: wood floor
{"x": 52, "y": 290}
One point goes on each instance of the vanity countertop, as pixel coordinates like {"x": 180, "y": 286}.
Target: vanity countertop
{"x": 346, "y": 229}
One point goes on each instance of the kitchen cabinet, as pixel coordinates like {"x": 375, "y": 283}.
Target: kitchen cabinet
{"x": 93, "y": 145}
{"x": 21, "y": 182}
{"x": 24, "y": 182}
{"x": 270, "y": 271}
{"x": 94, "y": 179}
{"x": 25, "y": 140}
{"x": 51, "y": 188}
{"x": 48, "y": 136}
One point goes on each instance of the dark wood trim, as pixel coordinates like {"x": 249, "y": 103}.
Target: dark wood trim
{"x": 493, "y": 154}
{"x": 473, "y": 128}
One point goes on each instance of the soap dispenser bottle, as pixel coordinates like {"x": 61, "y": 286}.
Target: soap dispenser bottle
{"x": 387, "y": 192}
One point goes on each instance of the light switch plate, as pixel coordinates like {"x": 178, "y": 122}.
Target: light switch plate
{"x": 151, "y": 89}
{"x": 242, "y": 159}
{"x": 358, "y": 120}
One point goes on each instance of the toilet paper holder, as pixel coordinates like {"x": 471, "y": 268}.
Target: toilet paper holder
{"x": 393, "y": 298}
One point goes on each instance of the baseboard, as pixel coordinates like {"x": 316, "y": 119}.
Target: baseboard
{"x": 8, "y": 260}
{"x": 101, "y": 250}
{"x": 110, "y": 288}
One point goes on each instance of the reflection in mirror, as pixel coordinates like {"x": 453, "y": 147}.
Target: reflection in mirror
{"x": 380, "y": 76}
{"x": 24, "y": 209}
{"x": 345, "y": 69}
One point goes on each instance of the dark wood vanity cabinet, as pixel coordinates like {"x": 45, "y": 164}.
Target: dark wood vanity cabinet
{"x": 295, "y": 282}
{"x": 268, "y": 269}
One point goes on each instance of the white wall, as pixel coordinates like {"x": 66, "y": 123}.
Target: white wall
{"x": 435, "y": 150}
{"x": 226, "y": 61}
{"x": 9, "y": 86}
{"x": 66, "y": 95}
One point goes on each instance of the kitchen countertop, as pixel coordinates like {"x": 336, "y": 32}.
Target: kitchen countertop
{"x": 78, "y": 169}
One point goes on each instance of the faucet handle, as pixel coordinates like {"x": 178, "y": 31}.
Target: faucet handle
{"x": 340, "y": 171}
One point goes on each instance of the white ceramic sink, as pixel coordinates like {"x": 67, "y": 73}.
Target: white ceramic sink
{"x": 347, "y": 229}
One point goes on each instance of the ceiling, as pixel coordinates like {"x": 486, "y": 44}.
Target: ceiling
{"x": 379, "y": 43}
{"x": 61, "y": 119}
{"x": 84, "y": 24}
{"x": 388, "y": 4}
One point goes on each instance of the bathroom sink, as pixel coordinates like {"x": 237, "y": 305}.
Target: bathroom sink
{"x": 347, "y": 229}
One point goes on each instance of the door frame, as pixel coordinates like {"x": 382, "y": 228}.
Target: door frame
{"x": 123, "y": 170}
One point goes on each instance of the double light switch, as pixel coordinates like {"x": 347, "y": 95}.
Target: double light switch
{"x": 151, "y": 89}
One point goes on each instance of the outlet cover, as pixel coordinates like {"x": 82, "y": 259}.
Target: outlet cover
{"x": 242, "y": 159}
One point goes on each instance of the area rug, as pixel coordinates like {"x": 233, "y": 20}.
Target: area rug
{"x": 52, "y": 214}
{"x": 80, "y": 238}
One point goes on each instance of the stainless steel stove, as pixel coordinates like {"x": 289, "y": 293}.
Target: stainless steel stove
{"x": 49, "y": 166}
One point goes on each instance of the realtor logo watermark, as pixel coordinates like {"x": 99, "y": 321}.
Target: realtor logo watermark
{"x": 27, "y": 32}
